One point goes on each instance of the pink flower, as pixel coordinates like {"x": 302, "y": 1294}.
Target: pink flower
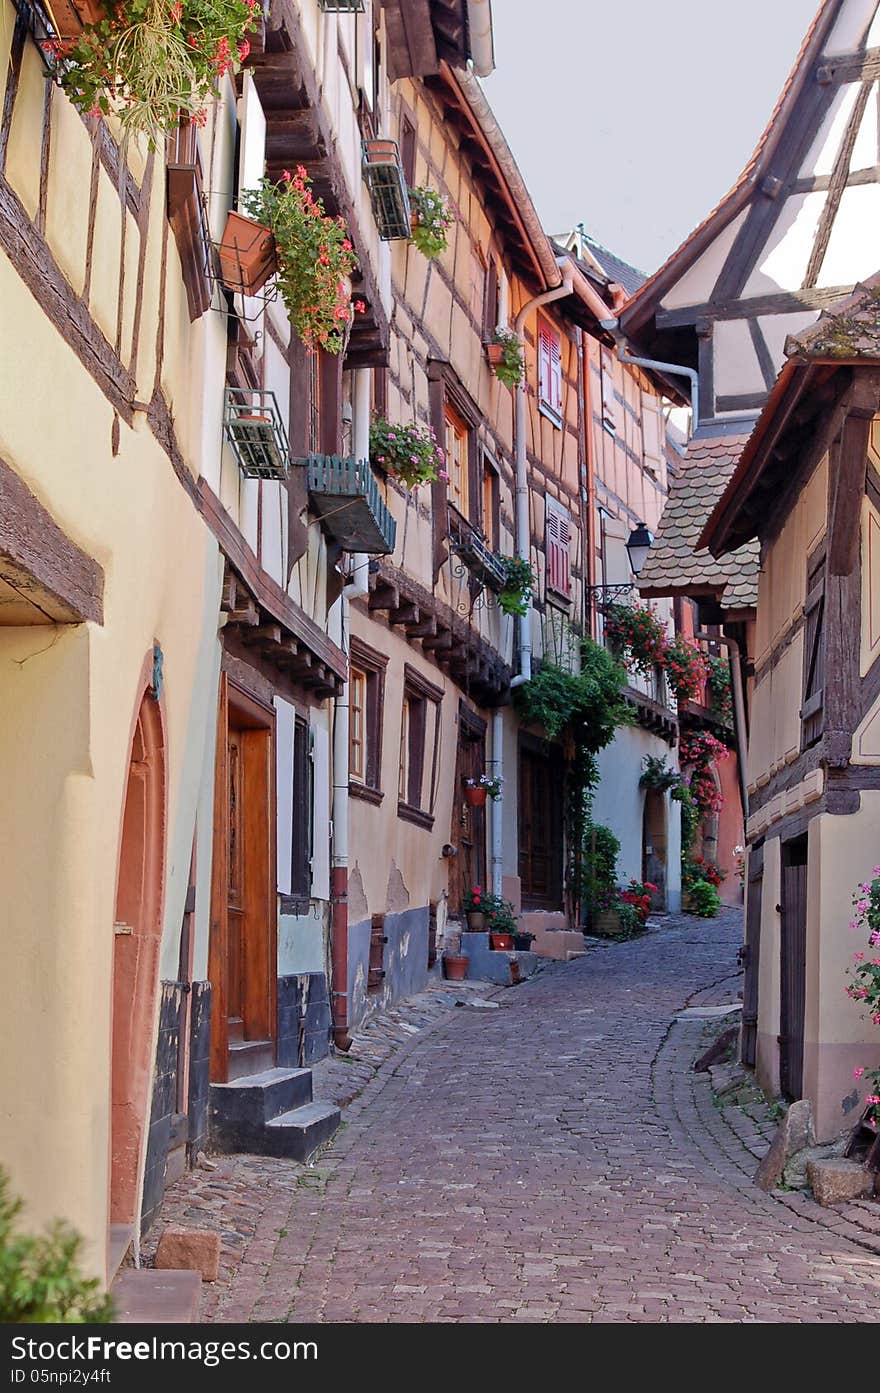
{"x": 857, "y": 1073}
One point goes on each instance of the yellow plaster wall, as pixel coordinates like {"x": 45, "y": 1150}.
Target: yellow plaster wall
{"x": 767, "y": 1061}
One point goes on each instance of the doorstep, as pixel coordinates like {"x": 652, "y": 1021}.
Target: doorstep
{"x": 487, "y": 964}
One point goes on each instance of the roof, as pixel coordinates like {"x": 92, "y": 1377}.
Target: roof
{"x": 850, "y": 329}
{"x": 674, "y": 565}
{"x": 642, "y": 304}
{"x": 616, "y": 269}
{"x": 846, "y": 336}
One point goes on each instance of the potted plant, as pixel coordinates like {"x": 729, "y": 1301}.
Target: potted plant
{"x": 657, "y": 774}
{"x": 637, "y": 634}
{"x": 455, "y": 966}
{"x": 686, "y": 668}
{"x": 505, "y": 353}
{"x": 523, "y": 940}
{"x": 150, "y": 63}
{"x": 477, "y": 905}
{"x": 703, "y": 899}
{"x": 502, "y": 927}
{"x": 476, "y": 791}
{"x": 431, "y": 221}
{"x": 247, "y": 253}
{"x": 638, "y": 894}
{"x": 315, "y": 258}
{"x": 517, "y": 589}
{"x": 410, "y": 452}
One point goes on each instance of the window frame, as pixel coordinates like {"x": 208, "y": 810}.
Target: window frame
{"x": 563, "y": 518}
{"x": 461, "y": 430}
{"x": 549, "y": 349}
{"x": 371, "y": 664}
{"x": 419, "y": 697}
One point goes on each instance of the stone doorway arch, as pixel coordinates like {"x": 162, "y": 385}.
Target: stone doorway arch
{"x": 654, "y": 845}
{"x": 137, "y": 941}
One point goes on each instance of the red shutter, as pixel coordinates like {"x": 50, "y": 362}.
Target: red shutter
{"x": 558, "y": 550}
{"x": 544, "y": 364}
{"x": 550, "y": 368}
{"x": 555, "y": 397}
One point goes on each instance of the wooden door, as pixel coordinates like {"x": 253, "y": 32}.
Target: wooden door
{"x": 793, "y": 967}
{"x": 468, "y": 834}
{"x": 541, "y": 779}
{"x": 751, "y": 958}
{"x": 242, "y": 953}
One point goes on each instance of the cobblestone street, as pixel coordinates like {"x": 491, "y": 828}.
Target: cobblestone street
{"x": 552, "y": 1159}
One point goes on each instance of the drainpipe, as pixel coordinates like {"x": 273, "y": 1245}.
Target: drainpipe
{"x": 739, "y": 711}
{"x": 588, "y": 479}
{"x": 522, "y": 483}
{"x": 677, "y": 369}
{"x": 498, "y": 805}
{"x": 339, "y": 881}
{"x": 479, "y": 15}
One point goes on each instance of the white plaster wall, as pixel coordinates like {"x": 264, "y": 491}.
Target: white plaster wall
{"x": 619, "y": 804}
{"x": 737, "y": 369}
{"x": 850, "y": 27}
{"x": 695, "y": 286}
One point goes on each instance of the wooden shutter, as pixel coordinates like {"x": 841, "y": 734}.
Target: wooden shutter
{"x": 408, "y": 150}
{"x": 812, "y": 711}
{"x": 301, "y": 879}
{"x": 557, "y": 545}
{"x": 550, "y": 368}
{"x": 555, "y": 398}
{"x": 609, "y": 405}
{"x": 490, "y": 307}
{"x": 652, "y": 433}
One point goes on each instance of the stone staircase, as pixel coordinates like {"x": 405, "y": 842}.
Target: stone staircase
{"x": 271, "y": 1113}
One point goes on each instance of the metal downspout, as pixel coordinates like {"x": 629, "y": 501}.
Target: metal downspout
{"x": 498, "y": 805}
{"x": 523, "y": 548}
{"x": 677, "y": 369}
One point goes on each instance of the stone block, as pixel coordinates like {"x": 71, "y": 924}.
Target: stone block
{"x": 194, "y": 1250}
{"x": 794, "y": 1132}
{"x": 836, "y": 1180}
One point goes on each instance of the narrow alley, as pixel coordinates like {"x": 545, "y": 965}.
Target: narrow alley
{"x": 543, "y": 1161}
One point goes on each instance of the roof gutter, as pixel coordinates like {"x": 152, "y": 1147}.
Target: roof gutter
{"x": 677, "y": 369}
{"x": 479, "y": 13}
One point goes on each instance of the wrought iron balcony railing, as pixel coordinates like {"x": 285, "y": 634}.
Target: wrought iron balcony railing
{"x": 343, "y": 492}
{"x": 342, "y": 6}
{"x": 476, "y": 554}
{"x": 255, "y": 431}
{"x": 389, "y": 196}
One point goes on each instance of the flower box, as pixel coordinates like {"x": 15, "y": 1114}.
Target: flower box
{"x": 606, "y": 923}
{"x": 248, "y": 254}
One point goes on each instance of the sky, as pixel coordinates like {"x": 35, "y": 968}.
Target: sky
{"x": 636, "y": 116}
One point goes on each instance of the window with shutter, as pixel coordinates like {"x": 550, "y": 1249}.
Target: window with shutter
{"x": 609, "y": 404}
{"x": 419, "y": 747}
{"x": 550, "y": 372}
{"x": 557, "y": 547}
{"x": 366, "y": 701}
{"x": 652, "y": 437}
{"x": 301, "y": 870}
{"x": 812, "y": 711}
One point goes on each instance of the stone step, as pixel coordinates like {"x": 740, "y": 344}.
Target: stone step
{"x": 119, "y": 1247}
{"x": 145, "y": 1295}
{"x": 241, "y": 1108}
{"x": 571, "y": 957}
{"x": 301, "y": 1131}
{"x": 250, "y": 1057}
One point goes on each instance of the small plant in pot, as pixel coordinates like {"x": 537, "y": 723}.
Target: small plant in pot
{"x": 477, "y": 905}
{"x": 431, "y": 221}
{"x": 523, "y": 940}
{"x": 455, "y": 966}
{"x": 410, "y": 452}
{"x": 505, "y": 352}
{"x": 502, "y": 927}
{"x": 518, "y": 581}
{"x": 476, "y": 791}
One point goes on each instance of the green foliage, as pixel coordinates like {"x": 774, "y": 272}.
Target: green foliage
{"x": 599, "y": 865}
{"x": 588, "y": 704}
{"x": 718, "y": 688}
{"x": 637, "y": 633}
{"x": 315, "y": 258}
{"x": 705, "y": 899}
{"x": 518, "y": 582}
{"x": 152, "y": 62}
{"x": 432, "y": 220}
{"x": 511, "y": 370}
{"x": 39, "y": 1277}
{"x": 410, "y": 452}
{"x": 656, "y": 773}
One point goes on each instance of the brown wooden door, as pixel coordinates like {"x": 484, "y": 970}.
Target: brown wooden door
{"x": 540, "y": 827}
{"x": 468, "y": 833}
{"x": 751, "y": 958}
{"x": 793, "y": 967}
{"x": 235, "y": 894}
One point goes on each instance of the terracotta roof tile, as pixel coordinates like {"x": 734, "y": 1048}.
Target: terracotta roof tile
{"x": 672, "y": 565}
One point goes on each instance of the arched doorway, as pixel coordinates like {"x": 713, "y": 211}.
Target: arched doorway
{"x": 137, "y": 939}
{"x": 654, "y": 840}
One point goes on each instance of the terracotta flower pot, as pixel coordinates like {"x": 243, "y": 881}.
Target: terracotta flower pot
{"x": 495, "y": 353}
{"x": 70, "y": 18}
{"x": 476, "y": 921}
{"x": 248, "y": 255}
{"x": 455, "y": 966}
{"x": 475, "y": 795}
{"x": 606, "y": 922}
{"x": 501, "y": 943}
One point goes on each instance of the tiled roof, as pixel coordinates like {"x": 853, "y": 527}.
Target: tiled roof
{"x": 615, "y": 268}
{"x": 691, "y": 247}
{"x": 849, "y": 329}
{"x": 672, "y": 565}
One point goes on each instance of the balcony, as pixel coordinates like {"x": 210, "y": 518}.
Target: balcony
{"x": 255, "y": 431}
{"x": 345, "y": 496}
{"x": 355, "y": 7}
{"x": 383, "y": 172}
{"x": 475, "y": 553}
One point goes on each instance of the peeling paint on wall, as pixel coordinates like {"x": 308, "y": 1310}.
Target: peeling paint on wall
{"x": 357, "y": 901}
{"x": 397, "y": 895}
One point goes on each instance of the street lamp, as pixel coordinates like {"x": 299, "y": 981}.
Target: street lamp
{"x": 638, "y": 545}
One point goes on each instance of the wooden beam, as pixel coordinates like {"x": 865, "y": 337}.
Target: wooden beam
{"x": 780, "y": 302}
{"x": 846, "y": 483}
{"x": 836, "y": 187}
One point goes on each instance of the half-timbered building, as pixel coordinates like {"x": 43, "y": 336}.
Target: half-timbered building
{"x": 807, "y": 489}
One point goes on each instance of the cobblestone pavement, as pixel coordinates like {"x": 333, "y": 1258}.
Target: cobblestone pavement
{"x": 551, "y": 1160}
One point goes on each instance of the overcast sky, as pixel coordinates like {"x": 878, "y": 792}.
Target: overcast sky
{"x": 635, "y": 115}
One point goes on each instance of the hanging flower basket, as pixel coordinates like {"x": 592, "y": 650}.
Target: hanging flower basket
{"x": 475, "y": 796}
{"x": 410, "y": 452}
{"x": 248, "y": 254}
{"x": 505, "y": 353}
{"x": 430, "y": 221}
{"x": 150, "y": 63}
{"x": 70, "y": 19}
{"x": 495, "y": 353}
{"x": 517, "y": 589}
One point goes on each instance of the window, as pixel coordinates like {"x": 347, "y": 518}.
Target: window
{"x": 380, "y": 391}
{"x": 408, "y": 150}
{"x": 457, "y": 460}
{"x": 186, "y": 214}
{"x": 609, "y": 404}
{"x": 550, "y": 372}
{"x": 378, "y": 939}
{"x": 489, "y": 509}
{"x": 366, "y": 700}
{"x": 301, "y": 864}
{"x": 557, "y": 545}
{"x": 419, "y": 747}
{"x": 314, "y": 424}
{"x": 652, "y": 434}
{"x": 491, "y": 302}
{"x": 812, "y": 712}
